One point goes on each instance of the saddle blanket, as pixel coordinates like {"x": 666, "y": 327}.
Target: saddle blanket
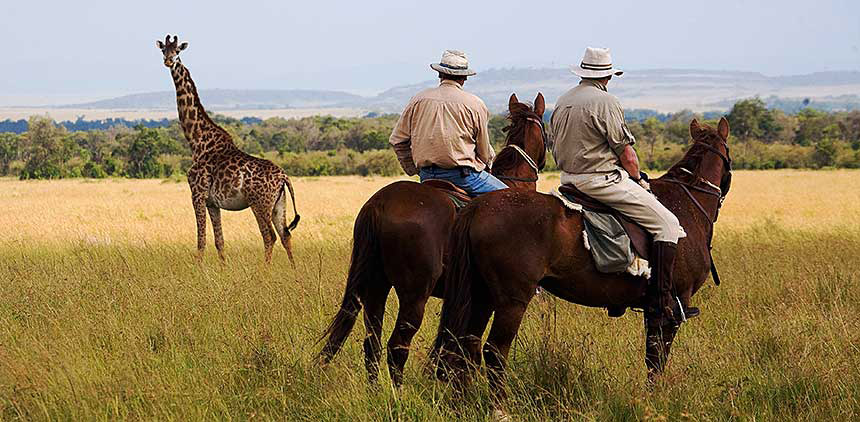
{"x": 606, "y": 239}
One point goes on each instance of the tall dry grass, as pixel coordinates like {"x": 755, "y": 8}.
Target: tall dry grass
{"x": 104, "y": 314}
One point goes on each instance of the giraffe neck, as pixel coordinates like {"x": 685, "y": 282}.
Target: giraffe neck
{"x": 192, "y": 116}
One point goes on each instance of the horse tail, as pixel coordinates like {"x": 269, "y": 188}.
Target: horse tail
{"x": 459, "y": 279}
{"x": 364, "y": 264}
{"x": 295, "y": 222}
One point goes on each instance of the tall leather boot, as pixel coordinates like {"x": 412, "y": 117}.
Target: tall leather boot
{"x": 664, "y": 304}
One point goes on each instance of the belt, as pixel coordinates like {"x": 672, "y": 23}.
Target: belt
{"x": 464, "y": 170}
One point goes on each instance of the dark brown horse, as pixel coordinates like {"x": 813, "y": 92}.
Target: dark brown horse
{"x": 505, "y": 244}
{"x": 399, "y": 240}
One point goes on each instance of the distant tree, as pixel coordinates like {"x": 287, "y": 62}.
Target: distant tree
{"x": 652, "y": 133}
{"x": 825, "y": 153}
{"x": 146, "y": 145}
{"x": 8, "y": 151}
{"x": 750, "y": 119}
{"x": 814, "y": 126}
{"x": 46, "y": 147}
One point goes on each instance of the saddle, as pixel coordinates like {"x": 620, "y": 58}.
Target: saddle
{"x": 639, "y": 237}
{"x": 458, "y": 196}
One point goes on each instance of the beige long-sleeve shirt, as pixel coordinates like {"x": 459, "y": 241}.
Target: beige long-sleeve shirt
{"x": 447, "y": 127}
{"x": 588, "y": 130}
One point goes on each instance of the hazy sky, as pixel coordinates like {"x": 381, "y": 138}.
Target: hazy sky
{"x": 97, "y": 48}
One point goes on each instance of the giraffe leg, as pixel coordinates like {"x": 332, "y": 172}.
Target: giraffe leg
{"x": 264, "y": 220}
{"x": 200, "y": 215}
{"x": 215, "y": 216}
{"x": 279, "y": 218}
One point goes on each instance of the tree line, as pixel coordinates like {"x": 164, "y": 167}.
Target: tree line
{"x": 762, "y": 138}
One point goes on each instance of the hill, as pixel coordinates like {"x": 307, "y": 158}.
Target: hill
{"x": 665, "y": 90}
{"x": 225, "y": 99}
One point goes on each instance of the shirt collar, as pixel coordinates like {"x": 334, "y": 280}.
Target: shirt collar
{"x": 593, "y": 83}
{"x": 449, "y": 82}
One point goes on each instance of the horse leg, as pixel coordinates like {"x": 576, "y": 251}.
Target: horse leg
{"x": 279, "y": 219}
{"x": 658, "y": 343}
{"x": 215, "y": 216}
{"x": 264, "y": 220}
{"x": 409, "y": 319}
{"x": 481, "y": 313}
{"x": 373, "y": 299}
{"x": 504, "y": 330}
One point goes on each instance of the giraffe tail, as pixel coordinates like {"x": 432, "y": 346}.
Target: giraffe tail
{"x": 295, "y": 222}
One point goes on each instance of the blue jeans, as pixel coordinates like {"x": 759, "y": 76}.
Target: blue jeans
{"x": 472, "y": 181}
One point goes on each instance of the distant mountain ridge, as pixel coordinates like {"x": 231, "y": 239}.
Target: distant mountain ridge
{"x": 230, "y": 99}
{"x": 665, "y": 90}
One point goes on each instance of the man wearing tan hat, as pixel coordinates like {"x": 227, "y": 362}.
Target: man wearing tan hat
{"x": 593, "y": 147}
{"x": 442, "y": 133}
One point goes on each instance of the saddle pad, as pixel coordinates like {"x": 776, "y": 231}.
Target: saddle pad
{"x": 609, "y": 243}
{"x": 607, "y": 239}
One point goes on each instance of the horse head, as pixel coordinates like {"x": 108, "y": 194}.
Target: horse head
{"x": 524, "y": 154}
{"x": 714, "y": 143}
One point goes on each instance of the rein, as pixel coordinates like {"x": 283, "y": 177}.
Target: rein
{"x": 529, "y": 160}
{"x": 712, "y": 190}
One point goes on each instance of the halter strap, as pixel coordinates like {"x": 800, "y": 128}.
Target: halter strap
{"x": 529, "y": 160}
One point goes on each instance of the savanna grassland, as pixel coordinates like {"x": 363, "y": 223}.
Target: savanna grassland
{"x": 105, "y": 314}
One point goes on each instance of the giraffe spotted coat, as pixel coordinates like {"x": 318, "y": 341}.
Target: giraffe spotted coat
{"x": 221, "y": 175}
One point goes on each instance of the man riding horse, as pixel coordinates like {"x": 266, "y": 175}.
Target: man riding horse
{"x": 594, "y": 149}
{"x": 443, "y": 134}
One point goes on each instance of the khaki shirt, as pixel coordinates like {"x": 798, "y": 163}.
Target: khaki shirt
{"x": 588, "y": 130}
{"x": 447, "y": 127}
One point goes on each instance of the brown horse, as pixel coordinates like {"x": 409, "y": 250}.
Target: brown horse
{"x": 487, "y": 275}
{"x": 399, "y": 240}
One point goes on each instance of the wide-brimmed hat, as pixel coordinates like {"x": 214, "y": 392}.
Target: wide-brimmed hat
{"x": 453, "y": 63}
{"x": 596, "y": 63}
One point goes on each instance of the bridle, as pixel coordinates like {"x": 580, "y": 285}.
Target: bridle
{"x": 710, "y": 189}
{"x": 529, "y": 160}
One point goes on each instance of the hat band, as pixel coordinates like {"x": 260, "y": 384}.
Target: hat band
{"x": 589, "y": 66}
{"x": 453, "y": 67}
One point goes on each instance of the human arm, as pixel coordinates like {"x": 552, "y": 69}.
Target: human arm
{"x": 483, "y": 149}
{"x": 401, "y": 140}
{"x": 621, "y": 141}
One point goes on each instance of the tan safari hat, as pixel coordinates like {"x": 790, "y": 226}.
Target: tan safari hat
{"x": 596, "y": 63}
{"x": 453, "y": 62}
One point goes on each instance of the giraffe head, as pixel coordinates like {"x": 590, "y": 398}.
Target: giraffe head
{"x": 170, "y": 49}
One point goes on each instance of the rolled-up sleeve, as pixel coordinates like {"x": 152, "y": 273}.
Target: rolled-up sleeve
{"x": 617, "y": 133}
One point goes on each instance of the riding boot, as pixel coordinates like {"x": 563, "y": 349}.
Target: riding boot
{"x": 665, "y": 305}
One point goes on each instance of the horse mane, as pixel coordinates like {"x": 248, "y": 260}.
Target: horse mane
{"x": 693, "y": 157}
{"x": 508, "y": 159}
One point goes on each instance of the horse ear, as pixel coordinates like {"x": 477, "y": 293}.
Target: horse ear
{"x": 694, "y": 128}
{"x": 513, "y": 101}
{"x": 540, "y": 105}
{"x": 723, "y": 128}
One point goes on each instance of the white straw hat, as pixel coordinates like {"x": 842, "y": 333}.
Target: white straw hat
{"x": 596, "y": 63}
{"x": 453, "y": 63}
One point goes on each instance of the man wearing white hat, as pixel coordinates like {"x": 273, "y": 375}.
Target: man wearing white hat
{"x": 593, "y": 147}
{"x": 442, "y": 133}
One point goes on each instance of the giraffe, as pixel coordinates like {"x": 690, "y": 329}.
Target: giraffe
{"x": 221, "y": 175}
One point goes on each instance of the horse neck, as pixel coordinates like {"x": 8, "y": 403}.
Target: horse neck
{"x": 192, "y": 117}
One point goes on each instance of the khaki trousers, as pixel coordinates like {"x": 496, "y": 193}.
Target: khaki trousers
{"x": 618, "y": 191}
